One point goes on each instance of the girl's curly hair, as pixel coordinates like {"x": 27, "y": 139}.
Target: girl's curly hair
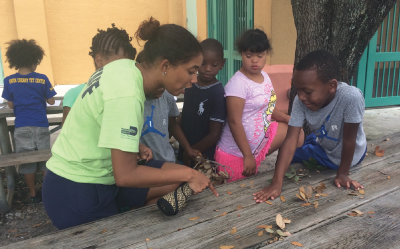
{"x": 23, "y": 53}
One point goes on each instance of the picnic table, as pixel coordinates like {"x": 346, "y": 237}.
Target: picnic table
{"x": 208, "y": 221}
{"x": 5, "y": 148}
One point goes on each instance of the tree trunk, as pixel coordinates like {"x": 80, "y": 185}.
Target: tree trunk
{"x": 343, "y": 27}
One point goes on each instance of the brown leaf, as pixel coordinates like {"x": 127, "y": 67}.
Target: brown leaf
{"x": 371, "y": 212}
{"x": 147, "y": 240}
{"x": 301, "y": 189}
{"x": 378, "y": 152}
{"x": 388, "y": 177}
{"x": 262, "y": 226}
{"x": 309, "y": 191}
{"x": 296, "y": 243}
{"x": 229, "y": 192}
{"x": 233, "y": 231}
{"x": 252, "y": 186}
{"x": 237, "y": 237}
{"x": 286, "y": 220}
{"x": 238, "y": 215}
{"x": 315, "y": 204}
{"x": 12, "y": 231}
{"x": 321, "y": 187}
{"x": 358, "y": 212}
{"x": 283, "y": 198}
{"x": 242, "y": 185}
{"x": 251, "y": 182}
{"x": 301, "y": 198}
{"x": 287, "y": 233}
{"x": 22, "y": 234}
{"x": 279, "y": 221}
{"x": 306, "y": 204}
{"x": 268, "y": 202}
{"x": 37, "y": 225}
{"x": 223, "y": 214}
{"x": 352, "y": 194}
{"x": 323, "y": 194}
{"x": 239, "y": 207}
{"x": 226, "y": 247}
{"x": 194, "y": 218}
{"x": 105, "y": 230}
{"x": 352, "y": 214}
{"x": 260, "y": 233}
{"x": 361, "y": 191}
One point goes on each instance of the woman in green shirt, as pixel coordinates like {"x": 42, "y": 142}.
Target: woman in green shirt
{"x": 93, "y": 172}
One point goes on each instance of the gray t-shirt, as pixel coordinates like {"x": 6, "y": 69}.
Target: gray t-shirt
{"x": 155, "y": 128}
{"x": 327, "y": 123}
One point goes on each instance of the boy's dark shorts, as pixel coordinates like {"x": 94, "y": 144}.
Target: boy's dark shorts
{"x": 31, "y": 138}
{"x": 69, "y": 203}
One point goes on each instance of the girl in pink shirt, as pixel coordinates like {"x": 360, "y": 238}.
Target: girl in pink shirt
{"x": 250, "y": 133}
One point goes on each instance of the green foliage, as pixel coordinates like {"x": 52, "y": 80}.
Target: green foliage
{"x": 313, "y": 165}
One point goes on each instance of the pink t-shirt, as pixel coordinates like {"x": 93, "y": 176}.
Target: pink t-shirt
{"x": 256, "y": 119}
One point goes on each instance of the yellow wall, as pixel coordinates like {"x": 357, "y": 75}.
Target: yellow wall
{"x": 64, "y": 28}
{"x": 202, "y": 28}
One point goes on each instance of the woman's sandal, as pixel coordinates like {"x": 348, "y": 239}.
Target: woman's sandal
{"x": 171, "y": 203}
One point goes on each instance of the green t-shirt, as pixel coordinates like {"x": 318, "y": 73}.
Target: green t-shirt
{"x": 72, "y": 95}
{"x": 107, "y": 115}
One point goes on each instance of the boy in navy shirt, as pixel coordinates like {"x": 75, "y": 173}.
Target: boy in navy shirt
{"x": 204, "y": 109}
{"x": 27, "y": 93}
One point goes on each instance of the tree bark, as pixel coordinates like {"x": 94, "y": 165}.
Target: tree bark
{"x": 343, "y": 27}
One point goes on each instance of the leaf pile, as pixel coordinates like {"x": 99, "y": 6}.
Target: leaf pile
{"x": 209, "y": 169}
{"x": 306, "y": 193}
{"x": 278, "y": 234}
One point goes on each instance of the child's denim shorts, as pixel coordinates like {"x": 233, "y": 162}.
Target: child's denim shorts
{"x": 30, "y": 138}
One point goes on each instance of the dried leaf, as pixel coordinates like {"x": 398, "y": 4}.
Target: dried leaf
{"x": 279, "y": 221}
{"x": 358, "y": 212}
{"x": 315, "y": 204}
{"x": 352, "y": 214}
{"x": 242, "y": 185}
{"x": 352, "y": 194}
{"x": 361, "y": 197}
{"x": 223, "y": 214}
{"x": 281, "y": 233}
{"x": 301, "y": 189}
{"x": 321, "y": 187}
{"x": 287, "y": 233}
{"x": 238, "y": 215}
{"x": 252, "y": 186}
{"x": 269, "y": 230}
{"x": 361, "y": 191}
{"x": 37, "y": 225}
{"x": 237, "y": 237}
{"x": 105, "y": 230}
{"x": 296, "y": 243}
{"x": 283, "y": 198}
{"x": 233, "y": 231}
{"x": 301, "y": 198}
{"x": 371, "y": 212}
{"x": 263, "y": 226}
{"x": 239, "y": 207}
{"x": 309, "y": 191}
{"x": 388, "y": 177}
{"x": 378, "y": 152}
{"x": 268, "y": 202}
{"x": 251, "y": 182}
{"x": 147, "y": 240}
{"x": 260, "y": 233}
{"x": 12, "y": 231}
{"x": 286, "y": 220}
{"x": 194, "y": 218}
{"x": 226, "y": 247}
{"x": 306, "y": 204}
{"x": 323, "y": 194}
{"x": 229, "y": 192}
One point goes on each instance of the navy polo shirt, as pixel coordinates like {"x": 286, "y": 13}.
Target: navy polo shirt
{"x": 29, "y": 93}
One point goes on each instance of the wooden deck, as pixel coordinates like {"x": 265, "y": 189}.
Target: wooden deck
{"x": 328, "y": 226}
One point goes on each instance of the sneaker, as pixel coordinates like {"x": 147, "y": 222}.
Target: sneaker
{"x": 37, "y": 198}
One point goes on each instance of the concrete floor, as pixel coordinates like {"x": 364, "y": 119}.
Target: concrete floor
{"x": 379, "y": 122}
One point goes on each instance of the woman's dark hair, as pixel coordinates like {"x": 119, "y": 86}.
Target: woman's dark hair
{"x": 23, "y": 53}
{"x": 168, "y": 41}
{"x": 324, "y": 62}
{"x": 110, "y": 41}
{"x": 253, "y": 40}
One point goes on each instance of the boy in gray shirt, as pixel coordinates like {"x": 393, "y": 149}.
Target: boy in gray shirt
{"x": 159, "y": 122}
{"x": 334, "y": 112}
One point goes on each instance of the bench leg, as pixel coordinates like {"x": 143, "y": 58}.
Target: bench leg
{"x": 5, "y": 147}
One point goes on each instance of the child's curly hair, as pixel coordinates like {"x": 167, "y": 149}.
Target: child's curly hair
{"x": 23, "y": 53}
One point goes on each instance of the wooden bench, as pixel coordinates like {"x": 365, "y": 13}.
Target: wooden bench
{"x": 207, "y": 221}
{"x": 8, "y": 161}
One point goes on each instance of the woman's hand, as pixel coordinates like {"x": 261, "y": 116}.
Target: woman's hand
{"x": 249, "y": 166}
{"x": 145, "y": 152}
{"x": 198, "y": 182}
{"x": 272, "y": 191}
{"x": 345, "y": 181}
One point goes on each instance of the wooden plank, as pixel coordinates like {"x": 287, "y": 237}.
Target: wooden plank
{"x": 378, "y": 230}
{"x": 210, "y": 230}
{"x": 24, "y": 157}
